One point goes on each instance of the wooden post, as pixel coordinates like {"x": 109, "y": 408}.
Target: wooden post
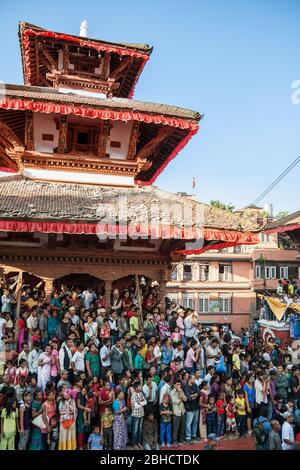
{"x": 62, "y": 139}
{"x": 107, "y": 295}
{"x": 29, "y": 135}
{"x": 18, "y": 294}
{"x": 139, "y": 300}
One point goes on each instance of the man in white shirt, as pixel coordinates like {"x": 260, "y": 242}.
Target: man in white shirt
{"x": 288, "y": 436}
{"x": 77, "y": 360}
{"x": 150, "y": 390}
{"x": 213, "y": 352}
{"x": 178, "y": 351}
{"x": 105, "y": 354}
{"x": 65, "y": 355}
{"x": 33, "y": 357}
{"x": 190, "y": 325}
{"x": 88, "y": 297}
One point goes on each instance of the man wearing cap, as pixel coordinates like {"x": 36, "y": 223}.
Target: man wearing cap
{"x": 73, "y": 317}
{"x": 287, "y": 435}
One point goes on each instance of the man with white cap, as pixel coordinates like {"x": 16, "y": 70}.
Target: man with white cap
{"x": 288, "y": 436}
{"x": 73, "y": 317}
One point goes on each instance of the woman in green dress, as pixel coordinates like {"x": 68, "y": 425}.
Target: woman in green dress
{"x": 37, "y": 441}
{"x": 92, "y": 361}
{"x": 83, "y": 427}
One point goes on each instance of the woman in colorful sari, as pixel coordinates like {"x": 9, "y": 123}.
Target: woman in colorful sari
{"x": 44, "y": 368}
{"x": 21, "y": 330}
{"x": 203, "y": 402}
{"x": 37, "y": 441}
{"x": 119, "y": 427}
{"x": 67, "y": 418}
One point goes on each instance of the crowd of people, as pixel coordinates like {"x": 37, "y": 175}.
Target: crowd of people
{"x": 78, "y": 372}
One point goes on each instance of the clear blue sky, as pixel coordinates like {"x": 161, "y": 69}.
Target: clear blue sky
{"x": 233, "y": 61}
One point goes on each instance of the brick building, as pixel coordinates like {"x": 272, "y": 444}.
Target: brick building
{"x": 223, "y": 285}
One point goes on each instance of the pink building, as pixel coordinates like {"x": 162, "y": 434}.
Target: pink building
{"x": 223, "y": 285}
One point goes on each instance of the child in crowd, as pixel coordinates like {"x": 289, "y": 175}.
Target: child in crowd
{"x": 231, "y": 428}
{"x": 240, "y": 402}
{"x": 53, "y": 434}
{"x": 95, "y": 440}
{"x": 221, "y": 405}
{"x": 211, "y": 416}
{"x": 107, "y": 420}
{"x": 165, "y": 411}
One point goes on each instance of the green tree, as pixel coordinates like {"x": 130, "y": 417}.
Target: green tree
{"x": 282, "y": 215}
{"x": 221, "y": 205}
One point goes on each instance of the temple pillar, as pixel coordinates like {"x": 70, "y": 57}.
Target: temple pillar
{"x": 163, "y": 279}
{"x": 48, "y": 286}
{"x": 108, "y": 288}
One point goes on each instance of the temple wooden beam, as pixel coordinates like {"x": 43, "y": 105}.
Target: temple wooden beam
{"x": 48, "y": 56}
{"x": 163, "y": 133}
{"x": 29, "y": 133}
{"x": 135, "y": 131}
{"x": 66, "y": 58}
{"x": 116, "y": 74}
{"x": 105, "y": 67}
{"x": 103, "y": 136}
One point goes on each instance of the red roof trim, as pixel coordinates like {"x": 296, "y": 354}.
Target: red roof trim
{"x": 160, "y": 231}
{"x": 227, "y": 239}
{"x": 286, "y": 228}
{"x": 85, "y": 111}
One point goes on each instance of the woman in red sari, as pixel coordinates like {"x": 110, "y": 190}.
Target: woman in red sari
{"x": 21, "y": 330}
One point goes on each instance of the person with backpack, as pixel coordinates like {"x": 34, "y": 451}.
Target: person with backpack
{"x": 261, "y": 430}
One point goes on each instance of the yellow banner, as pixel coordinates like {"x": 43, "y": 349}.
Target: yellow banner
{"x": 277, "y": 307}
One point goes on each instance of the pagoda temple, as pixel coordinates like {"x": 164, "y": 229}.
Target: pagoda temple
{"x": 72, "y": 141}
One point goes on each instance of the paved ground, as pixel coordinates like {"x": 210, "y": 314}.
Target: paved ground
{"x": 226, "y": 444}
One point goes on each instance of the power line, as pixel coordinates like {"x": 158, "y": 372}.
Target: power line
{"x": 278, "y": 179}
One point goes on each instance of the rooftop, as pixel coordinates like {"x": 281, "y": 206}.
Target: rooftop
{"x": 24, "y": 198}
{"x": 47, "y": 94}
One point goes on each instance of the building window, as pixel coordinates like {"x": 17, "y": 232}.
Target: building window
{"x": 174, "y": 274}
{"x": 293, "y": 272}
{"x": 225, "y": 303}
{"x": 214, "y": 303}
{"x": 265, "y": 238}
{"x": 258, "y": 272}
{"x": 225, "y": 273}
{"x": 188, "y": 300}
{"x": 204, "y": 272}
{"x": 187, "y": 272}
{"x": 270, "y": 272}
{"x": 203, "y": 304}
{"x": 283, "y": 272}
